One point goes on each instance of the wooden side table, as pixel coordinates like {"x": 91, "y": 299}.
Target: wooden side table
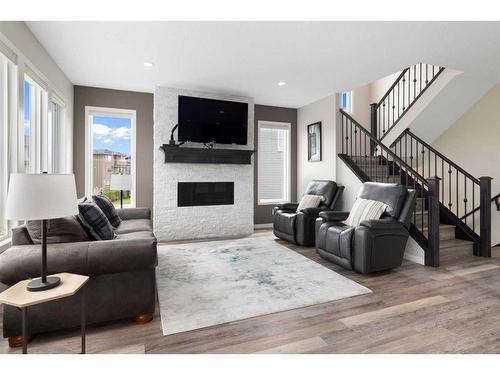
{"x": 19, "y": 297}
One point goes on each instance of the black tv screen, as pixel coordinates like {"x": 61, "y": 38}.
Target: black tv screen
{"x": 208, "y": 120}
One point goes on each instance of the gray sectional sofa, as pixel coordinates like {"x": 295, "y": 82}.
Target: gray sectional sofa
{"x": 122, "y": 276}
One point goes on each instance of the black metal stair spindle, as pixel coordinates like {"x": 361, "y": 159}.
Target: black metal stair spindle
{"x": 403, "y": 97}
{"x": 414, "y": 82}
{"x": 420, "y": 76}
{"x": 465, "y": 197}
{"x": 398, "y": 100}
{"x": 383, "y": 117}
{"x": 409, "y": 87}
{"x": 443, "y": 177}
{"x": 342, "y": 133}
{"x": 473, "y": 206}
{"x": 457, "y": 194}
{"x": 350, "y": 141}
{"x": 449, "y": 187}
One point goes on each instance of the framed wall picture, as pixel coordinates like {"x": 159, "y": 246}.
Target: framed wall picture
{"x": 314, "y": 142}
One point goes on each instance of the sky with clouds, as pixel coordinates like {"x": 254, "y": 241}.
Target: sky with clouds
{"x": 112, "y": 133}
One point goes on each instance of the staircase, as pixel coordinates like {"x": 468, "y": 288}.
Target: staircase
{"x": 453, "y": 210}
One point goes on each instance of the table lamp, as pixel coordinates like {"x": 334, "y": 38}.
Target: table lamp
{"x": 121, "y": 182}
{"x": 41, "y": 197}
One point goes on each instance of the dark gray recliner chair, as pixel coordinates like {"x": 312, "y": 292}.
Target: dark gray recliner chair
{"x": 375, "y": 245}
{"x": 298, "y": 227}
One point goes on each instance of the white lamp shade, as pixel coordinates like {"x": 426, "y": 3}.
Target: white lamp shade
{"x": 121, "y": 182}
{"x": 41, "y": 196}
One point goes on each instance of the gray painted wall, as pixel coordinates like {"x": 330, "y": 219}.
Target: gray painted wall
{"x": 142, "y": 103}
{"x": 262, "y": 214}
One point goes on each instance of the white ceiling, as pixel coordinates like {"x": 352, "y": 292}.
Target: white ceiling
{"x": 249, "y": 58}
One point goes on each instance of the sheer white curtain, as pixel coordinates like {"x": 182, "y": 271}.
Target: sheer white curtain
{"x": 8, "y": 131}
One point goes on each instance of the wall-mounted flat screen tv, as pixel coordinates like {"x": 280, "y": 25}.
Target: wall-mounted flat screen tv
{"x": 209, "y": 120}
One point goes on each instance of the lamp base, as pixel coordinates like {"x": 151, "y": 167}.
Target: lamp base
{"x": 36, "y": 285}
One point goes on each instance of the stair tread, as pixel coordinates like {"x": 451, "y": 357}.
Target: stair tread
{"x": 442, "y": 226}
{"x": 445, "y": 244}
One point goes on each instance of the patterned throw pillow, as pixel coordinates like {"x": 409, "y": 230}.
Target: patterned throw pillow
{"x": 108, "y": 208}
{"x": 95, "y": 221}
{"x": 309, "y": 201}
{"x": 364, "y": 209}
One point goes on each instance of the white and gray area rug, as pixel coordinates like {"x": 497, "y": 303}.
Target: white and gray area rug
{"x": 208, "y": 283}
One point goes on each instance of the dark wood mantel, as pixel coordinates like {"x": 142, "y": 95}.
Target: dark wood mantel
{"x": 176, "y": 154}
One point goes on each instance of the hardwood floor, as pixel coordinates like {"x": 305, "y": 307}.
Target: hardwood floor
{"x": 414, "y": 309}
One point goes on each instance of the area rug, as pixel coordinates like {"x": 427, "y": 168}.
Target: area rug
{"x": 208, "y": 283}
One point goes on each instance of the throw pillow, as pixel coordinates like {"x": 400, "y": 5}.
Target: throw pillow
{"x": 95, "y": 221}
{"x": 309, "y": 201}
{"x": 108, "y": 208}
{"x": 64, "y": 229}
{"x": 364, "y": 209}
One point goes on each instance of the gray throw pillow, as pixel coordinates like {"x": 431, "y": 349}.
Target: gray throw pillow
{"x": 95, "y": 221}
{"x": 65, "y": 229}
{"x": 108, "y": 208}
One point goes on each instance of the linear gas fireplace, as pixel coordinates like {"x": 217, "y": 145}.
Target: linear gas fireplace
{"x": 204, "y": 193}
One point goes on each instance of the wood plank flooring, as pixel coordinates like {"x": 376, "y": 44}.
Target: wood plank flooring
{"x": 413, "y": 309}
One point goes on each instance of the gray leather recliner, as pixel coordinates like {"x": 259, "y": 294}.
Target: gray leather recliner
{"x": 298, "y": 227}
{"x": 375, "y": 245}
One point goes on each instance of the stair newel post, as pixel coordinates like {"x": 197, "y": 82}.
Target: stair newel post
{"x": 432, "y": 254}
{"x": 485, "y": 216}
{"x": 373, "y": 125}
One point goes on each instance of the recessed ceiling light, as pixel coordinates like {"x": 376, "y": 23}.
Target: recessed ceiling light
{"x": 282, "y": 83}
{"x": 148, "y": 64}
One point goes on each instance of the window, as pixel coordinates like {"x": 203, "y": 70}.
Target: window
{"x": 8, "y": 125}
{"x": 54, "y": 135}
{"x": 32, "y": 134}
{"x": 110, "y": 149}
{"x": 36, "y": 116}
{"x": 345, "y": 100}
{"x": 273, "y": 162}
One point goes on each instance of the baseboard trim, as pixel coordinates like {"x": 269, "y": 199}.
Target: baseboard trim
{"x": 263, "y": 226}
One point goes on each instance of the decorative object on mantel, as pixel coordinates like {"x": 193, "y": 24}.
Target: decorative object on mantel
{"x": 172, "y": 142}
{"x": 174, "y": 154}
{"x": 41, "y": 197}
{"x": 314, "y": 142}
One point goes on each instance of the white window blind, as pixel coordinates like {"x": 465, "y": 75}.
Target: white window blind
{"x": 273, "y": 162}
{"x": 8, "y": 126}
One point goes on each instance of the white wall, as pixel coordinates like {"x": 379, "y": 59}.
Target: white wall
{"x": 379, "y": 87}
{"x": 360, "y": 108}
{"x": 17, "y": 37}
{"x": 322, "y": 110}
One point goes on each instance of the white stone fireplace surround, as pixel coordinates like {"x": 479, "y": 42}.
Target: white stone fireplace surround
{"x": 184, "y": 223}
